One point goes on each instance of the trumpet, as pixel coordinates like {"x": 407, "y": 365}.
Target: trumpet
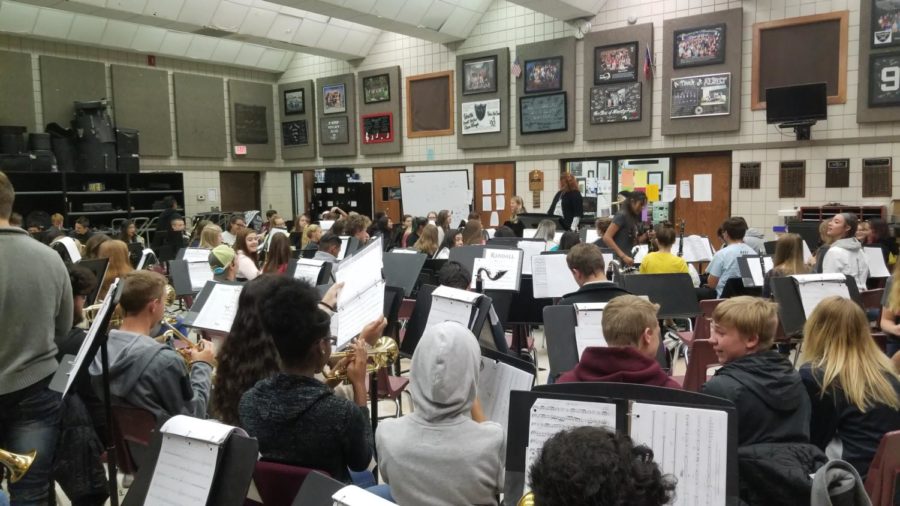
{"x": 173, "y": 334}
{"x": 527, "y": 500}
{"x": 384, "y": 353}
{"x": 16, "y": 463}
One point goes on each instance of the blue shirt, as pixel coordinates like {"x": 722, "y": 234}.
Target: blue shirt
{"x": 724, "y": 264}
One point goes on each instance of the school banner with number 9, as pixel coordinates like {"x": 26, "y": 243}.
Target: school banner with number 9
{"x": 884, "y": 80}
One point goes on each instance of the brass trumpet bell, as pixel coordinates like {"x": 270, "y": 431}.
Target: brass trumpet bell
{"x": 384, "y": 353}
{"x": 527, "y": 500}
{"x": 16, "y": 463}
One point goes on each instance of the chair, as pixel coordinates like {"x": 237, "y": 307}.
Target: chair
{"x": 702, "y": 357}
{"x": 278, "y": 484}
{"x": 701, "y": 327}
{"x": 132, "y": 428}
{"x": 871, "y": 299}
{"x": 881, "y": 482}
{"x": 391, "y": 388}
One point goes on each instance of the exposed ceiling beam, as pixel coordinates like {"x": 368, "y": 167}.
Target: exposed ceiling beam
{"x": 564, "y": 10}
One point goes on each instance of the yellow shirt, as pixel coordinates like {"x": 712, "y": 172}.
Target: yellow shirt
{"x": 660, "y": 262}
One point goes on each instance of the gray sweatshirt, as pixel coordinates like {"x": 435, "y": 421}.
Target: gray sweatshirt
{"x": 438, "y": 455}
{"x": 146, "y": 374}
{"x": 35, "y": 309}
{"x": 845, "y": 256}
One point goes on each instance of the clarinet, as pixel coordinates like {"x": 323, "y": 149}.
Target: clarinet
{"x": 681, "y": 239}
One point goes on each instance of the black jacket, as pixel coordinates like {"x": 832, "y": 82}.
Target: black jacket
{"x": 571, "y": 206}
{"x": 594, "y": 292}
{"x": 777, "y": 474}
{"x": 772, "y": 404}
{"x": 833, "y": 416}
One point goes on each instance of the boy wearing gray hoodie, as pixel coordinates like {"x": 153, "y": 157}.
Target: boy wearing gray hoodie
{"x": 845, "y": 255}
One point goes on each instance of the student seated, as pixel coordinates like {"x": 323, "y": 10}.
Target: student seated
{"x": 329, "y": 248}
{"x": 663, "y": 261}
{"x": 724, "y": 265}
{"x": 454, "y": 275}
{"x": 788, "y": 261}
{"x": 631, "y": 330}
{"x": 222, "y": 262}
{"x": 845, "y": 255}
{"x": 772, "y": 405}
{"x": 587, "y": 265}
{"x": 144, "y": 373}
{"x": 853, "y": 388}
{"x": 890, "y": 316}
{"x": 297, "y": 419}
{"x": 591, "y": 466}
{"x": 444, "y": 452}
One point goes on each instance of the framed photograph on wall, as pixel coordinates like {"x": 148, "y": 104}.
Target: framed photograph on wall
{"x": 334, "y": 98}
{"x": 334, "y": 131}
{"x": 694, "y": 47}
{"x": 294, "y": 102}
{"x": 543, "y": 75}
{"x": 884, "y": 79}
{"x": 481, "y": 116}
{"x": 885, "y": 23}
{"x": 698, "y": 96}
{"x": 616, "y": 63}
{"x": 294, "y": 133}
{"x": 615, "y": 103}
{"x": 479, "y": 75}
{"x": 543, "y": 113}
{"x": 377, "y": 89}
{"x": 376, "y": 128}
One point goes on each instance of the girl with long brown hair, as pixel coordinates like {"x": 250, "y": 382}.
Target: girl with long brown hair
{"x": 119, "y": 263}
{"x": 428, "y": 242}
{"x": 278, "y": 255}
{"x": 788, "y": 261}
{"x": 473, "y": 233}
{"x": 246, "y": 245}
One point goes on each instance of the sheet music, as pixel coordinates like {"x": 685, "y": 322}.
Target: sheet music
{"x": 71, "y": 249}
{"x": 366, "y": 307}
{"x": 326, "y": 224}
{"x": 345, "y": 241}
{"x": 495, "y": 382}
{"x": 756, "y": 271}
{"x": 807, "y": 254}
{"x": 549, "y": 416}
{"x": 452, "y": 304}
{"x": 495, "y": 260}
{"x": 875, "y": 259}
{"x": 209, "y": 431}
{"x": 184, "y": 472}
{"x": 529, "y": 233}
{"x": 530, "y": 249}
{"x": 81, "y": 356}
{"x": 351, "y": 495}
{"x": 443, "y": 254}
{"x": 308, "y": 270}
{"x": 220, "y": 308}
{"x": 557, "y": 236}
{"x": 589, "y": 313}
{"x": 199, "y": 273}
{"x": 607, "y": 258}
{"x": 196, "y": 255}
{"x": 691, "y": 444}
{"x": 591, "y": 236}
{"x": 551, "y": 276}
{"x": 815, "y": 287}
{"x": 642, "y": 250}
{"x": 589, "y": 335}
{"x": 361, "y": 301}
{"x": 696, "y": 248}
{"x": 145, "y": 254}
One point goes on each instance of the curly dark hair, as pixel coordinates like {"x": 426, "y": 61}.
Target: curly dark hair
{"x": 83, "y": 279}
{"x": 291, "y": 315}
{"x": 592, "y": 466}
{"x": 247, "y": 355}
{"x": 454, "y": 275}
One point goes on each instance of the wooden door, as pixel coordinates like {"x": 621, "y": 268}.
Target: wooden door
{"x": 240, "y": 190}
{"x": 385, "y": 183}
{"x": 703, "y": 218}
{"x": 495, "y": 183}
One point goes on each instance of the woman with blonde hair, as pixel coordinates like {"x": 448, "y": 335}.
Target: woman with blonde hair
{"x": 546, "y": 230}
{"x": 119, "y": 263}
{"x": 853, "y": 387}
{"x": 787, "y": 262}
{"x": 890, "y": 315}
{"x": 428, "y": 243}
{"x": 211, "y": 236}
{"x": 312, "y": 235}
{"x": 516, "y": 207}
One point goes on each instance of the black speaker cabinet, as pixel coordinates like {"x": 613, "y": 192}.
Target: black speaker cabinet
{"x": 131, "y": 164}
{"x": 127, "y": 142}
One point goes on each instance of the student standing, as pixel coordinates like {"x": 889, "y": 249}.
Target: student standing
{"x": 845, "y": 255}
{"x": 623, "y": 234}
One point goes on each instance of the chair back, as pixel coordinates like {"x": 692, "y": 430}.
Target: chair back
{"x": 277, "y": 483}
{"x": 884, "y": 471}
{"x": 701, "y": 328}
{"x": 871, "y": 299}
{"x": 702, "y": 357}
{"x": 132, "y": 428}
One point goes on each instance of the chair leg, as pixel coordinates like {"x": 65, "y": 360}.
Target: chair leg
{"x": 399, "y": 405}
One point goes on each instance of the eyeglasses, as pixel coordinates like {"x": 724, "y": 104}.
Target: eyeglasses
{"x": 332, "y": 340}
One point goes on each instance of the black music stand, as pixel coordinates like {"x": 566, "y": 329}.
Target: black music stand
{"x": 402, "y": 270}
{"x": 673, "y": 292}
{"x": 466, "y": 255}
{"x": 746, "y": 273}
{"x": 324, "y": 271}
{"x": 317, "y": 490}
{"x": 559, "y": 332}
{"x": 181, "y": 278}
{"x": 532, "y": 220}
{"x": 98, "y": 266}
{"x": 307, "y": 253}
{"x": 786, "y": 291}
{"x": 419, "y": 318}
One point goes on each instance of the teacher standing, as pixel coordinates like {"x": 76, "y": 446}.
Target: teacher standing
{"x": 567, "y": 202}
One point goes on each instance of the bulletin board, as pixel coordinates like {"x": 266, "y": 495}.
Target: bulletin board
{"x": 252, "y": 119}
{"x": 870, "y": 80}
{"x": 17, "y": 98}
{"x": 141, "y": 101}
{"x": 565, "y": 49}
{"x": 200, "y": 116}
{"x": 429, "y": 106}
{"x": 498, "y": 139}
{"x": 59, "y": 89}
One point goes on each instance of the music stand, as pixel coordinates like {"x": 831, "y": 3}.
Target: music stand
{"x": 532, "y": 220}
{"x": 786, "y": 291}
{"x": 673, "y": 292}
{"x": 402, "y": 270}
{"x": 419, "y": 318}
{"x": 559, "y": 332}
{"x": 317, "y": 490}
{"x": 324, "y": 271}
{"x": 99, "y": 267}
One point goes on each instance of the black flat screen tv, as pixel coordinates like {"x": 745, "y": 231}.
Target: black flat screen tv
{"x": 804, "y": 102}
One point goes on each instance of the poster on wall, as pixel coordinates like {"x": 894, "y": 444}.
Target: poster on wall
{"x": 615, "y": 103}
{"x": 543, "y": 75}
{"x": 481, "y": 117}
{"x": 334, "y": 130}
{"x": 695, "y": 47}
{"x": 250, "y": 125}
{"x": 294, "y": 101}
{"x": 616, "y": 63}
{"x": 377, "y": 128}
{"x": 884, "y": 79}
{"x": 885, "y": 23}
{"x": 377, "y": 89}
{"x": 294, "y": 133}
{"x": 480, "y": 75}
{"x": 542, "y": 113}
{"x": 698, "y": 96}
{"x": 334, "y": 98}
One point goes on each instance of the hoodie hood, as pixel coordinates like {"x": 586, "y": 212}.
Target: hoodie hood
{"x": 752, "y": 232}
{"x": 618, "y": 364}
{"x": 444, "y": 372}
{"x": 847, "y": 243}
{"x": 129, "y": 356}
{"x": 770, "y": 377}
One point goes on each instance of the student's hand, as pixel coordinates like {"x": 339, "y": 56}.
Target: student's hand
{"x": 331, "y": 296}
{"x": 204, "y": 352}
{"x": 373, "y": 331}
{"x": 356, "y": 372}
{"x": 627, "y": 260}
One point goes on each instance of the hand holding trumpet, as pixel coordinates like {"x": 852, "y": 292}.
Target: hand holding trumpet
{"x": 203, "y": 351}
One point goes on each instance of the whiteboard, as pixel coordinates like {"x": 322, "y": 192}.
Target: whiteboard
{"x": 423, "y": 192}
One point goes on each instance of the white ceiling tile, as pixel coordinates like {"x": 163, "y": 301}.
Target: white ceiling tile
{"x": 309, "y": 33}
{"x": 284, "y": 28}
{"x": 457, "y": 22}
{"x": 17, "y": 18}
{"x": 354, "y": 43}
{"x": 176, "y": 43}
{"x": 53, "y": 23}
{"x": 87, "y": 29}
{"x": 202, "y": 48}
{"x": 333, "y": 37}
{"x": 198, "y": 12}
{"x": 164, "y": 9}
{"x": 229, "y": 16}
{"x": 390, "y": 9}
{"x": 132, "y": 6}
{"x": 437, "y": 15}
{"x": 271, "y": 58}
{"x": 148, "y": 39}
{"x": 361, "y": 5}
{"x": 226, "y": 50}
{"x": 249, "y": 55}
{"x": 475, "y": 5}
{"x": 258, "y": 22}
{"x": 119, "y": 33}
{"x": 413, "y": 12}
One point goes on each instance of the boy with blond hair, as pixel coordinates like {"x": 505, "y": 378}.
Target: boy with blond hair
{"x": 766, "y": 389}
{"x": 631, "y": 330}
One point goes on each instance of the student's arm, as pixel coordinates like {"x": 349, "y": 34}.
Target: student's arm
{"x": 715, "y": 270}
{"x": 478, "y": 412}
{"x": 888, "y": 319}
{"x": 608, "y": 239}
{"x": 360, "y": 440}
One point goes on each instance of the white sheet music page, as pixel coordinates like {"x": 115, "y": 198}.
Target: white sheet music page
{"x": 495, "y": 382}
{"x": 589, "y": 313}
{"x": 145, "y": 254}
{"x": 308, "y": 270}
{"x": 497, "y": 260}
{"x": 351, "y": 495}
{"x": 452, "y": 304}
{"x": 591, "y": 236}
{"x": 642, "y": 250}
{"x": 816, "y": 287}
{"x": 807, "y": 254}
{"x": 358, "y": 312}
{"x": 196, "y": 255}
{"x": 768, "y": 264}
{"x": 756, "y": 271}
{"x": 345, "y": 242}
{"x": 588, "y": 336}
{"x": 875, "y": 260}
{"x": 361, "y": 301}
{"x": 530, "y": 249}
{"x": 696, "y": 249}
{"x": 551, "y": 276}
{"x": 199, "y": 273}
{"x": 689, "y": 443}
{"x": 529, "y": 233}
{"x": 220, "y": 308}
{"x": 71, "y": 249}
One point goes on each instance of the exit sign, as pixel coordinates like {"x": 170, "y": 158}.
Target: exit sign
{"x": 240, "y": 150}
